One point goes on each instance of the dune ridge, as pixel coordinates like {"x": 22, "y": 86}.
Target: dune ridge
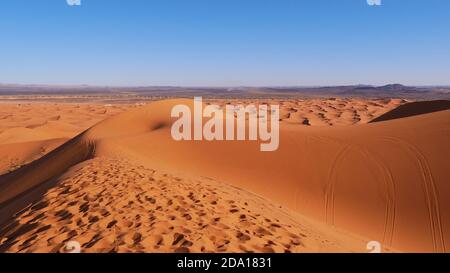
{"x": 414, "y": 109}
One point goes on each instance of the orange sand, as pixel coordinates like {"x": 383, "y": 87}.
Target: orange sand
{"x": 124, "y": 184}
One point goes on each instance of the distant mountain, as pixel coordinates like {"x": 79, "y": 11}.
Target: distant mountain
{"x": 396, "y": 87}
{"x": 366, "y": 91}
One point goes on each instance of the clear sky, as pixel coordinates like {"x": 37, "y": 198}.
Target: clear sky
{"x": 225, "y": 42}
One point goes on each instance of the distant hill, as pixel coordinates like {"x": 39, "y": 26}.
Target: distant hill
{"x": 366, "y": 91}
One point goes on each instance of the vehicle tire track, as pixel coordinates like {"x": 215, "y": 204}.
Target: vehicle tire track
{"x": 330, "y": 186}
{"x": 390, "y": 211}
{"x": 431, "y": 194}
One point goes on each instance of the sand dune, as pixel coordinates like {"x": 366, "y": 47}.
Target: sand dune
{"x": 32, "y": 122}
{"x": 112, "y": 205}
{"x": 414, "y": 109}
{"x": 325, "y": 112}
{"x": 18, "y": 154}
{"x": 381, "y": 181}
{"x": 29, "y": 131}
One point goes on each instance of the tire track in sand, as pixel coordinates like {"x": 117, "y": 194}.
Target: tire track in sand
{"x": 331, "y": 184}
{"x": 430, "y": 191}
{"x": 390, "y": 211}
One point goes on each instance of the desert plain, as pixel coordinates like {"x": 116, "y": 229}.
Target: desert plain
{"x": 109, "y": 176}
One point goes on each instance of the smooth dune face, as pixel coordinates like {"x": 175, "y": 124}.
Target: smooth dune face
{"x": 334, "y": 177}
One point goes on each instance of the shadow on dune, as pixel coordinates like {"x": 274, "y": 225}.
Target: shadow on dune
{"x": 414, "y": 109}
{"x": 27, "y": 185}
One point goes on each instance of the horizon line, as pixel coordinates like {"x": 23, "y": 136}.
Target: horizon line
{"x": 214, "y": 86}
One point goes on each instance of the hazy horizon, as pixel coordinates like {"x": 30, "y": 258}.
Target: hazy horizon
{"x": 215, "y": 86}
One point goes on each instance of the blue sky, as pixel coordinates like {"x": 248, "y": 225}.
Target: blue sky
{"x": 225, "y": 42}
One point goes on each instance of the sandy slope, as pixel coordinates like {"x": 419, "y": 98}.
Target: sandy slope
{"x": 29, "y": 131}
{"x": 384, "y": 181}
{"x": 15, "y": 155}
{"x": 414, "y": 109}
{"x": 32, "y": 122}
{"x": 112, "y": 205}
